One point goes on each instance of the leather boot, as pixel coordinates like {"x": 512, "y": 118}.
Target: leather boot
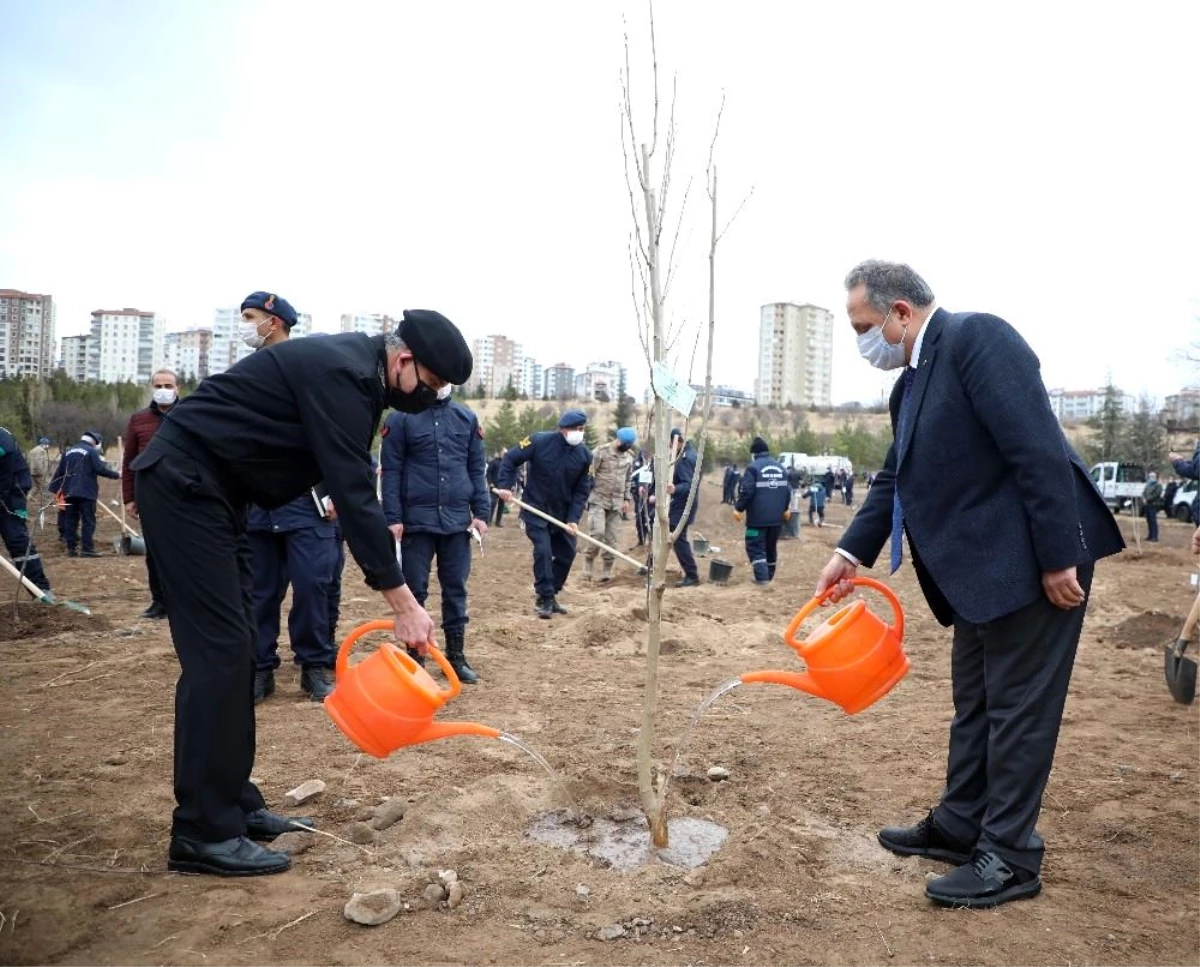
{"x": 457, "y": 658}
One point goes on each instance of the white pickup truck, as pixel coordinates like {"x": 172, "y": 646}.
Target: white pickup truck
{"x": 1120, "y": 484}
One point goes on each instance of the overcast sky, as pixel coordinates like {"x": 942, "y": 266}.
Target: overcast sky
{"x": 1038, "y": 161}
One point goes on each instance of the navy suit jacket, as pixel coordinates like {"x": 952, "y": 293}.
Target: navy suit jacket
{"x": 993, "y": 495}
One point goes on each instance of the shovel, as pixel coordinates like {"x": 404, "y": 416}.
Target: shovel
{"x": 1179, "y": 670}
{"x": 579, "y": 534}
{"x": 47, "y": 597}
{"x": 130, "y": 542}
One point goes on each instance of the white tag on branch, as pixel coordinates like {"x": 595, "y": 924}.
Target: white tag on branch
{"x": 674, "y": 392}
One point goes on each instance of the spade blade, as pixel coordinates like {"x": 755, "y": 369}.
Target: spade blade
{"x": 1181, "y": 674}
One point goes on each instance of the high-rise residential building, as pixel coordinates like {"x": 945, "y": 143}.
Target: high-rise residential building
{"x": 188, "y": 353}
{"x": 371, "y": 323}
{"x": 497, "y": 364}
{"x": 1077, "y": 405}
{"x": 795, "y": 355}
{"x": 75, "y": 356}
{"x": 125, "y": 346}
{"x": 724, "y": 396}
{"x": 1182, "y": 410}
{"x": 530, "y": 383}
{"x": 600, "y": 381}
{"x": 558, "y": 382}
{"x": 27, "y": 342}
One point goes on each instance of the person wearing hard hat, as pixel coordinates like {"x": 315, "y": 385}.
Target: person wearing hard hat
{"x": 610, "y": 499}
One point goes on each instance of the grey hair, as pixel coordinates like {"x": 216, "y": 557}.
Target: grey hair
{"x": 393, "y": 343}
{"x": 888, "y": 282}
{"x": 170, "y": 372}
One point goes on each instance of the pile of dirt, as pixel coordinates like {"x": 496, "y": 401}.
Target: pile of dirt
{"x": 1147, "y": 630}
{"x": 32, "y": 619}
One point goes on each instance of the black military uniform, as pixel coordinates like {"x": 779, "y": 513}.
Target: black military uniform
{"x": 262, "y": 432}
{"x": 558, "y": 484}
{"x": 764, "y": 497}
{"x": 15, "y": 484}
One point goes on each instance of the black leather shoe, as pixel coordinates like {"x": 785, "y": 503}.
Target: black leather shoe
{"x": 72, "y": 553}
{"x": 264, "y": 825}
{"x": 317, "y": 682}
{"x": 90, "y": 554}
{"x": 689, "y": 582}
{"x": 985, "y": 881}
{"x": 466, "y": 674}
{"x": 156, "y": 610}
{"x": 231, "y": 857}
{"x": 556, "y": 607}
{"x": 924, "y": 839}
{"x": 545, "y": 609}
{"x": 264, "y": 685}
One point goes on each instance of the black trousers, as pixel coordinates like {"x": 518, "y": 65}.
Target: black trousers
{"x": 499, "y": 509}
{"x": 25, "y": 557}
{"x": 553, "y": 555}
{"x": 156, "y": 591}
{"x": 306, "y": 558}
{"x": 198, "y": 537}
{"x": 760, "y": 549}
{"x": 81, "y": 523}
{"x": 453, "y": 553}
{"x": 683, "y": 552}
{"x": 1010, "y": 680}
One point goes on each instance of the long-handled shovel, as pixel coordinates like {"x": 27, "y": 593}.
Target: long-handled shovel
{"x": 580, "y": 534}
{"x": 1181, "y": 671}
{"x": 131, "y": 541}
{"x": 44, "y": 596}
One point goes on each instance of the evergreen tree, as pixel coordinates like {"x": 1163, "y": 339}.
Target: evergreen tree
{"x": 510, "y": 391}
{"x": 503, "y": 430}
{"x": 1110, "y": 424}
{"x": 1145, "y": 440}
{"x": 623, "y": 414}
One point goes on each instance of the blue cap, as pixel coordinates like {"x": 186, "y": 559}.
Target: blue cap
{"x": 627, "y": 435}
{"x": 572, "y": 418}
{"x": 43, "y": 441}
{"x": 276, "y": 305}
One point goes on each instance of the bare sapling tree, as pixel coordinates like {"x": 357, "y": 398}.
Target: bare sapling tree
{"x": 652, "y": 274}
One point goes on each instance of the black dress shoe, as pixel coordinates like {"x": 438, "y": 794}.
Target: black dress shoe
{"x": 466, "y": 674}
{"x": 985, "y": 881}
{"x": 317, "y": 682}
{"x": 544, "y": 609}
{"x": 688, "y": 582}
{"x": 231, "y": 857}
{"x": 264, "y": 685}
{"x": 90, "y": 554}
{"x": 556, "y": 607}
{"x": 924, "y": 839}
{"x": 156, "y": 610}
{"x": 264, "y": 825}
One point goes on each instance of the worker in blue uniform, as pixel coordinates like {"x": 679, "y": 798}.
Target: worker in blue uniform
{"x": 76, "y": 479}
{"x": 434, "y": 492}
{"x": 683, "y": 476}
{"x": 764, "y": 499}
{"x": 557, "y": 484}
{"x": 15, "y": 484}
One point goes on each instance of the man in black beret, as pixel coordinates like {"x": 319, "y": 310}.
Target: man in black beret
{"x": 263, "y": 432}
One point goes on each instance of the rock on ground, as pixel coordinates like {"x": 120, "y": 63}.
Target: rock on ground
{"x": 293, "y": 844}
{"x": 389, "y": 813}
{"x": 435, "y": 893}
{"x": 456, "y": 895}
{"x": 718, "y": 774}
{"x": 362, "y": 834}
{"x": 374, "y": 908}
{"x": 612, "y": 932}
{"x": 306, "y": 790}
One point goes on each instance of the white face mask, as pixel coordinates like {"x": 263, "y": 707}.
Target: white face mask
{"x": 878, "y": 351}
{"x": 575, "y": 437}
{"x": 164, "y": 397}
{"x": 251, "y": 336}
{"x": 445, "y": 391}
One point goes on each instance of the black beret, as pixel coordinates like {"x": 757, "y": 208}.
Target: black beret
{"x": 437, "y": 344}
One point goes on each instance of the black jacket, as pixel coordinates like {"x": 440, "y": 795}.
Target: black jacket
{"x": 764, "y": 493}
{"x": 286, "y": 418}
{"x": 77, "y": 471}
{"x": 992, "y": 494}
{"x": 559, "y": 477}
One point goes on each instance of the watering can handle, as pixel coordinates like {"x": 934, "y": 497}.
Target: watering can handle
{"x": 343, "y": 657}
{"x": 790, "y": 635}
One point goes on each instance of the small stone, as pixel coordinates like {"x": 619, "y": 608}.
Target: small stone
{"x": 346, "y": 803}
{"x": 306, "y": 790}
{"x": 362, "y": 834}
{"x": 1112, "y": 936}
{"x": 446, "y": 877}
{"x": 677, "y": 929}
{"x": 374, "y": 908}
{"x": 718, "y": 774}
{"x": 931, "y": 876}
{"x": 455, "y": 896}
{"x": 116, "y": 759}
{"x": 365, "y": 815}
{"x": 612, "y": 932}
{"x": 695, "y": 877}
{"x": 435, "y": 893}
{"x": 582, "y": 892}
{"x": 737, "y": 935}
{"x": 389, "y": 813}
{"x": 1124, "y": 770}
{"x": 293, "y": 844}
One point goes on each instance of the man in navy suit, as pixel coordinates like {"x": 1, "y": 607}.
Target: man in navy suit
{"x": 1004, "y": 527}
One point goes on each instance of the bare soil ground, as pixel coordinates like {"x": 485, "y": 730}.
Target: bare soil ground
{"x": 85, "y": 793}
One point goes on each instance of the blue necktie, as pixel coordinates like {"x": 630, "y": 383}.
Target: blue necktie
{"x": 897, "y": 513}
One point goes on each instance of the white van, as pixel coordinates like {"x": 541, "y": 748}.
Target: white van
{"x": 1119, "y": 483}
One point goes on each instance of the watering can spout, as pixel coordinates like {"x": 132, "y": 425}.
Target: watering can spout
{"x": 801, "y": 681}
{"x": 446, "y": 730}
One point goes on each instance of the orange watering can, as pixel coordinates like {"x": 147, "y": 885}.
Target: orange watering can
{"x": 388, "y": 700}
{"x": 853, "y": 659}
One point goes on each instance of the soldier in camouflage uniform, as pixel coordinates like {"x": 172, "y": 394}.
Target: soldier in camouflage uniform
{"x": 610, "y": 499}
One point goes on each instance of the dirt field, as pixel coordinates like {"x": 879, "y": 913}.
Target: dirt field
{"x": 85, "y": 794}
